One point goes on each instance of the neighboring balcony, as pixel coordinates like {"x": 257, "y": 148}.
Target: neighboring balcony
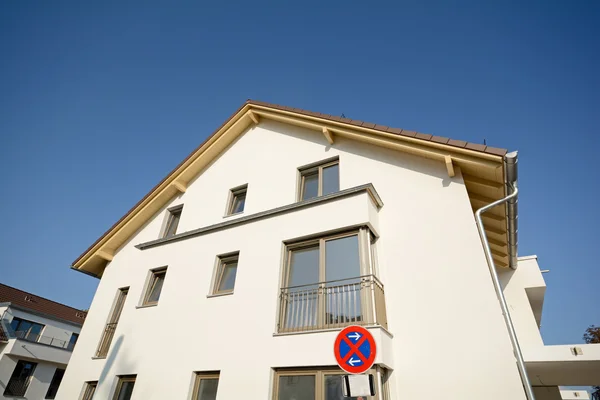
{"x": 333, "y": 304}
{"x": 46, "y": 348}
{"x": 47, "y": 340}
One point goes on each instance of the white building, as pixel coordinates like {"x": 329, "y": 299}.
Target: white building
{"x": 232, "y": 277}
{"x": 37, "y": 337}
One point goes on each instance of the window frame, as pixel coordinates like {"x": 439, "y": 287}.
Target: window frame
{"x": 198, "y": 377}
{"x": 153, "y": 278}
{"x": 221, "y": 263}
{"x": 121, "y": 380}
{"x": 320, "y": 373}
{"x": 52, "y": 381}
{"x": 232, "y": 197}
{"x": 171, "y": 213}
{"x": 311, "y": 169}
{"x": 89, "y": 389}
{"x": 28, "y": 378}
{"x": 116, "y": 310}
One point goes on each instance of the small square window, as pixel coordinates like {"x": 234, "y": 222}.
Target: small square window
{"x": 172, "y": 221}
{"x": 157, "y": 278}
{"x": 226, "y": 271}
{"x": 206, "y": 385}
{"x": 237, "y": 200}
{"x": 319, "y": 179}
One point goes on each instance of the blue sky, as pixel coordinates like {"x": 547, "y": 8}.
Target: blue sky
{"x": 99, "y": 101}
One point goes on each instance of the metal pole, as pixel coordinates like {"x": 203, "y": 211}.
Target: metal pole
{"x": 496, "y": 281}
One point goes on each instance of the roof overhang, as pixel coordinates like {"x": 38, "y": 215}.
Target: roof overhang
{"x": 482, "y": 169}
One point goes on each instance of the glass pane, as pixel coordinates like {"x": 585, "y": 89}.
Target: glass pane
{"x": 34, "y": 332}
{"x": 14, "y": 324}
{"x": 23, "y": 328}
{"x": 156, "y": 288}
{"x": 228, "y": 278}
{"x": 302, "y": 301}
{"x": 333, "y": 388}
{"x": 74, "y": 338}
{"x": 310, "y": 185}
{"x": 296, "y": 387}
{"x": 304, "y": 266}
{"x": 172, "y": 223}
{"x": 126, "y": 390}
{"x": 207, "y": 390}
{"x": 238, "y": 203}
{"x": 343, "y": 288}
{"x": 331, "y": 179}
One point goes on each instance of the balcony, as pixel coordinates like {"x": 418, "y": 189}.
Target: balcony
{"x": 47, "y": 340}
{"x": 333, "y": 304}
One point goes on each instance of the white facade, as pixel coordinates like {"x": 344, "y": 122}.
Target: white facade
{"x": 445, "y": 328}
{"x": 50, "y": 350}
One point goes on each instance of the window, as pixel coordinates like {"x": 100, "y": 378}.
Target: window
{"x": 111, "y": 325}
{"x": 157, "y": 279}
{"x": 73, "y": 340}
{"x": 124, "y": 387}
{"x": 205, "y": 386}
{"x": 172, "y": 221}
{"x": 319, "y": 179}
{"x": 55, "y": 383}
{"x": 225, "y": 273}
{"x": 89, "y": 388}
{"x": 25, "y": 329}
{"x": 327, "y": 283}
{"x": 237, "y": 200}
{"x": 20, "y": 378}
{"x": 306, "y": 384}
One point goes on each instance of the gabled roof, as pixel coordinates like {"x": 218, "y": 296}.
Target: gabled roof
{"x": 482, "y": 168}
{"x": 37, "y": 304}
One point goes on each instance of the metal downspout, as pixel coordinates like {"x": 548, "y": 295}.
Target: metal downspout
{"x": 511, "y": 199}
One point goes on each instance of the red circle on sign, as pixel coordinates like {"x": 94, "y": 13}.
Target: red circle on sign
{"x": 367, "y": 362}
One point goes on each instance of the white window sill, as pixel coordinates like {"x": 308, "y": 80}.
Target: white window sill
{"x": 146, "y": 306}
{"x": 219, "y": 295}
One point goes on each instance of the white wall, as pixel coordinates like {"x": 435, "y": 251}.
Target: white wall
{"x": 442, "y": 310}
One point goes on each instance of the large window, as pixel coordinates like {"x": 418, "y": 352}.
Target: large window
{"x": 55, "y": 383}
{"x": 111, "y": 325}
{"x": 20, "y": 378}
{"x": 174, "y": 215}
{"x": 225, "y": 273}
{"x": 319, "y": 179}
{"x": 327, "y": 282}
{"x": 73, "y": 340}
{"x": 25, "y": 329}
{"x": 124, "y": 387}
{"x": 89, "y": 388}
{"x": 206, "y": 385}
{"x": 155, "y": 284}
{"x": 321, "y": 384}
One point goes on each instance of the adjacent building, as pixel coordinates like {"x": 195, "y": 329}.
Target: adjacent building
{"x": 37, "y": 337}
{"x": 231, "y": 278}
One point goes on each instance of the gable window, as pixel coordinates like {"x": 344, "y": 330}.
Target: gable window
{"x": 237, "y": 200}
{"x": 89, "y": 388}
{"x": 124, "y": 387}
{"x": 172, "y": 221}
{"x": 20, "y": 378}
{"x": 157, "y": 279}
{"x": 25, "y": 329}
{"x": 319, "y": 179}
{"x": 226, "y": 272}
{"x": 55, "y": 383}
{"x": 329, "y": 282}
{"x": 205, "y": 386}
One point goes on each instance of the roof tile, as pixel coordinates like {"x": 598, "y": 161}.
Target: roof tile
{"x": 475, "y": 146}
{"x": 368, "y": 125}
{"x": 424, "y": 136}
{"x": 397, "y": 131}
{"x": 457, "y": 143}
{"x": 495, "y": 150}
{"x": 439, "y": 139}
{"x": 381, "y": 127}
{"x": 408, "y": 133}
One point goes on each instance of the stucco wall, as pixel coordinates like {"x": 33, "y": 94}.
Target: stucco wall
{"x": 442, "y": 311}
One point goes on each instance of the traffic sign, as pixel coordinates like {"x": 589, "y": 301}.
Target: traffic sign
{"x": 355, "y": 349}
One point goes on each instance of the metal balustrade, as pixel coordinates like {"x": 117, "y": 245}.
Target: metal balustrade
{"x": 48, "y": 340}
{"x": 106, "y": 340}
{"x": 332, "y": 304}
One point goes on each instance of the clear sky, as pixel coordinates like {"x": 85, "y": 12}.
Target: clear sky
{"x": 98, "y": 101}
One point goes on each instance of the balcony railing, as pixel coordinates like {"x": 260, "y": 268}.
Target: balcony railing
{"x": 106, "y": 340}
{"x": 333, "y": 304}
{"x": 48, "y": 340}
{"x": 17, "y": 387}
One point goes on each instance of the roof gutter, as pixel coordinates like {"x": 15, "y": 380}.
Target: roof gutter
{"x": 510, "y": 200}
